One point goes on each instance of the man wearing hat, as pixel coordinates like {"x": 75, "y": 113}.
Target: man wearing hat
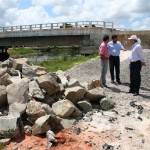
{"x": 136, "y": 62}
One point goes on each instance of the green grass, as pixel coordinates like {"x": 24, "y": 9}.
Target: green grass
{"x": 63, "y": 64}
{"x": 2, "y": 146}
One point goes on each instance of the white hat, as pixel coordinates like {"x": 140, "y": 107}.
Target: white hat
{"x": 133, "y": 37}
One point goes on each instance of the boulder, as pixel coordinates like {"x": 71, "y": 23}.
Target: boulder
{"x": 50, "y": 138}
{"x": 106, "y": 104}
{"x": 95, "y": 84}
{"x": 35, "y": 91}
{"x": 39, "y": 70}
{"x": 14, "y": 79}
{"x": 44, "y": 123}
{"x": 73, "y": 83}
{"x": 17, "y": 108}
{"x": 48, "y": 100}
{"x": 18, "y": 63}
{"x": 75, "y": 94}
{"x": 3, "y": 96}
{"x": 76, "y": 114}
{"x": 5, "y": 141}
{"x": 49, "y": 84}
{"x": 86, "y": 106}
{"x": 17, "y": 92}
{"x": 67, "y": 123}
{"x": 37, "y": 109}
{"x": 94, "y": 95}
{"x": 28, "y": 71}
{"x": 63, "y": 108}
{"x": 8, "y": 63}
{"x": 13, "y": 72}
{"x": 4, "y": 79}
{"x": 3, "y": 71}
{"x": 11, "y": 126}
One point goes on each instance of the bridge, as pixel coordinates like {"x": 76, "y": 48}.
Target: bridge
{"x": 83, "y": 33}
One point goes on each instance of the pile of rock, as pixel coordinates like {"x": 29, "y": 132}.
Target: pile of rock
{"x": 34, "y": 101}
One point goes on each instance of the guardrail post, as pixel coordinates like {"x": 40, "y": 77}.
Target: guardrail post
{"x": 90, "y": 24}
{"x": 104, "y": 25}
{"x": 51, "y": 25}
{"x": 3, "y": 29}
{"x": 40, "y": 26}
{"x": 30, "y": 27}
{"x": 64, "y": 25}
{"x": 11, "y": 29}
{"x": 20, "y": 28}
{"x": 76, "y": 25}
{"x": 112, "y": 25}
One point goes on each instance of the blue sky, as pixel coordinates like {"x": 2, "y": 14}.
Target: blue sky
{"x": 121, "y": 12}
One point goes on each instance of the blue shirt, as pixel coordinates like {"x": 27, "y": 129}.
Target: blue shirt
{"x": 114, "y": 48}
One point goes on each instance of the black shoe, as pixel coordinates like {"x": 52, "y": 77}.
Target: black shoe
{"x": 105, "y": 86}
{"x": 112, "y": 81}
{"x": 136, "y": 94}
{"x": 119, "y": 82}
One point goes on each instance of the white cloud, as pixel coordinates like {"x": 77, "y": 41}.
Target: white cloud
{"x": 117, "y": 11}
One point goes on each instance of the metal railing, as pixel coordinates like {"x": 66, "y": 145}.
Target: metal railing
{"x": 61, "y": 25}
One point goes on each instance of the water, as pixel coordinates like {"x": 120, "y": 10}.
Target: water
{"x": 54, "y": 54}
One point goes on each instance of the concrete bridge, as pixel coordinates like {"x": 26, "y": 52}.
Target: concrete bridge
{"x": 84, "y": 33}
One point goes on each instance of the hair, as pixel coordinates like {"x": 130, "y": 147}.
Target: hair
{"x": 114, "y": 36}
{"x": 105, "y": 38}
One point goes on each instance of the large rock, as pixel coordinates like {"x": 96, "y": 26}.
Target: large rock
{"x": 14, "y": 72}
{"x": 95, "y": 84}
{"x": 8, "y": 63}
{"x": 39, "y": 70}
{"x": 28, "y": 71}
{"x": 75, "y": 94}
{"x": 86, "y": 106}
{"x": 37, "y": 109}
{"x": 3, "y": 71}
{"x": 106, "y": 104}
{"x": 17, "y": 108}
{"x": 35, "y": 91}
{"x": 45, "y": 123}
{"x": 95, "y": 95}
{"x": 14, "y": 79}
{"x": 63, "y": 108}
{"x": 49, "y": 84}
{"x": 76, "y": 114}
{"x": 18, "y": 63}
{"x": 11, "y": 126}
{"x": 4, "y": 79}
{"x": 3, "y": 96}
{"x": 17, "y": 92}
{"x": 73, "y": 83}
{"x": 68, "y": 123}
{"x": 48, "y": 100}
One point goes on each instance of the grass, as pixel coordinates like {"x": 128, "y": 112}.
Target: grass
{"x": 2, "y": 146}
{"x": 63, "y": 64}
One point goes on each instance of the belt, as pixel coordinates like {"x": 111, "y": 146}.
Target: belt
{"x": 135, "y": 61}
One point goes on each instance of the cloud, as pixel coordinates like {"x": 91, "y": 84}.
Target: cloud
{"x": 43, "y": 11}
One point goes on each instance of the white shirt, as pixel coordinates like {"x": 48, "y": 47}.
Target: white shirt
{"x": 136, "y": 53}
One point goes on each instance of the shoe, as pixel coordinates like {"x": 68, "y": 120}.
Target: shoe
{"x": 119, "y": 82}
{"x": 136, "y": 94}
{"x": 112, "y": 81}
{"x": 130, "y": 92}
{"x": 105, "y": 86}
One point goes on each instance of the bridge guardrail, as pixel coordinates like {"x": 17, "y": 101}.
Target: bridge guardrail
{"x": 61, "y": 25}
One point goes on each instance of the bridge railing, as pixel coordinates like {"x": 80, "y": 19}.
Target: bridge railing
{"x": 61, "y": 25}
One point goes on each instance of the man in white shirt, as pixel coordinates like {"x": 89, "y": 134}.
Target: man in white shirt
{"x": 136, "y": 62}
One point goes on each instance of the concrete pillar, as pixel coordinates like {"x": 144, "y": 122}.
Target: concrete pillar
{"x": 51, "y": 25}
{"x": 30, "y": 27}
{"x": 64, "y": 25}
{"x": 20, "y": 28}
{"x": 40, "y": 26}
{"x": 90, "y": 24}
{"x": 11, "y": 29}
{"x": 104, "y": 25}
{"x": 76, "y": 25}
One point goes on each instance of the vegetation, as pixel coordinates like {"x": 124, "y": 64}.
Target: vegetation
{"x": 64, "y": 63}
{"x": 2, "y": 146}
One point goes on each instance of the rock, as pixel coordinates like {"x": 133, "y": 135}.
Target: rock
{"x": 1, "y": 114}
{"x": 43, "y": 124}
{"x": 39, "y": 70}
{"x": 13, "y": 72}
{"x": 11, "y": 126}
{"x": 63, "y": 77}
{"x": 63, "y": 108}
{"x": 18, "y": 63}
{"x": 35, "y": 91}
{"x": 28, "y": 130}
{"x": 86, "y": 106}
{"x": 3, "y": 96}
{"x": 3, "y": 71}
{"x": 8, "y": 63}
{"x": 77, "y": 131}
{"x": 49, "y": 84}
{"x": 106, "y": 104}
{"x": 62, "y": 89}
{"x": 37, "y": 109}
{"x": 48, "y": 100}
{"x": 17, "y": 92}
{"x": 17, "y": 108}
{"x": 73, "y": 83}
{"x": 76, "y": 114}
{"x": 5, "y": 141}
{"x": 50, "y": 138}
{"x": 67, "y": 123}
{"x": 75, "y": 94}
{"x": 94, "y": 95}
{"x": 4, "y": 79}
{"x": 15, "y": 79}
{"x": 28, "y": 71}
{"x": 95, "y": 84}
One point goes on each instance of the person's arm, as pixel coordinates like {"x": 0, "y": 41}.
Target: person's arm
{"x": 102, "y": 52}
{"x": 122, "y": 47}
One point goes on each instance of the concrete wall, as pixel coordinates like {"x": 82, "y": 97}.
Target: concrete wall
{"x": 57, "y": 37}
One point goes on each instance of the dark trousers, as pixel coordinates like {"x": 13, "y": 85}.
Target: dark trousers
{"x": 114, "y": 64}
{"x": 135, "y": 76}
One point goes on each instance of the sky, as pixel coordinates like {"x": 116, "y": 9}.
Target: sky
{"x": 128, "y": 14}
